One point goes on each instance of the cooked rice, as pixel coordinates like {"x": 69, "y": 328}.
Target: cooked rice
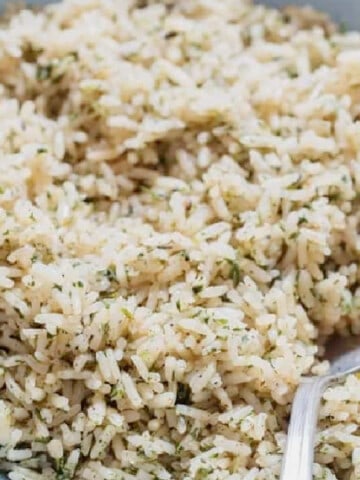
{"x": 179, "y": 215}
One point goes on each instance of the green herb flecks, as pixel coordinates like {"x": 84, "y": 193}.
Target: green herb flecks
{"x": 43, "y": 72}
{"x": 234, "y": 272}
{"x": 183, "y": 395}
{"x": 126, "y": 313}
{"x": 197, "y": 289}
{"x": 61, "y": 469}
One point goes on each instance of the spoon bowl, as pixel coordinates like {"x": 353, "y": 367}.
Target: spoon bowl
{"x": 344, "y": 357}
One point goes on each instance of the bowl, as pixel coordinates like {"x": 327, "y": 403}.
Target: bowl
{"x": 344, "y": 12}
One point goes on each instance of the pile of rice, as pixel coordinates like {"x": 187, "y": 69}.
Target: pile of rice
{"x": 179, "y": 217}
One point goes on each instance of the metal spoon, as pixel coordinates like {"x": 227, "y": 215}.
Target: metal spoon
{"x": 344, "y": 355}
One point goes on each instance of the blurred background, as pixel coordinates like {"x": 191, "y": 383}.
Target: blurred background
{"x": 345, "y": 12}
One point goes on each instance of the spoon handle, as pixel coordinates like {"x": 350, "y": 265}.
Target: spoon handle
{"x": 299, "y": 453}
